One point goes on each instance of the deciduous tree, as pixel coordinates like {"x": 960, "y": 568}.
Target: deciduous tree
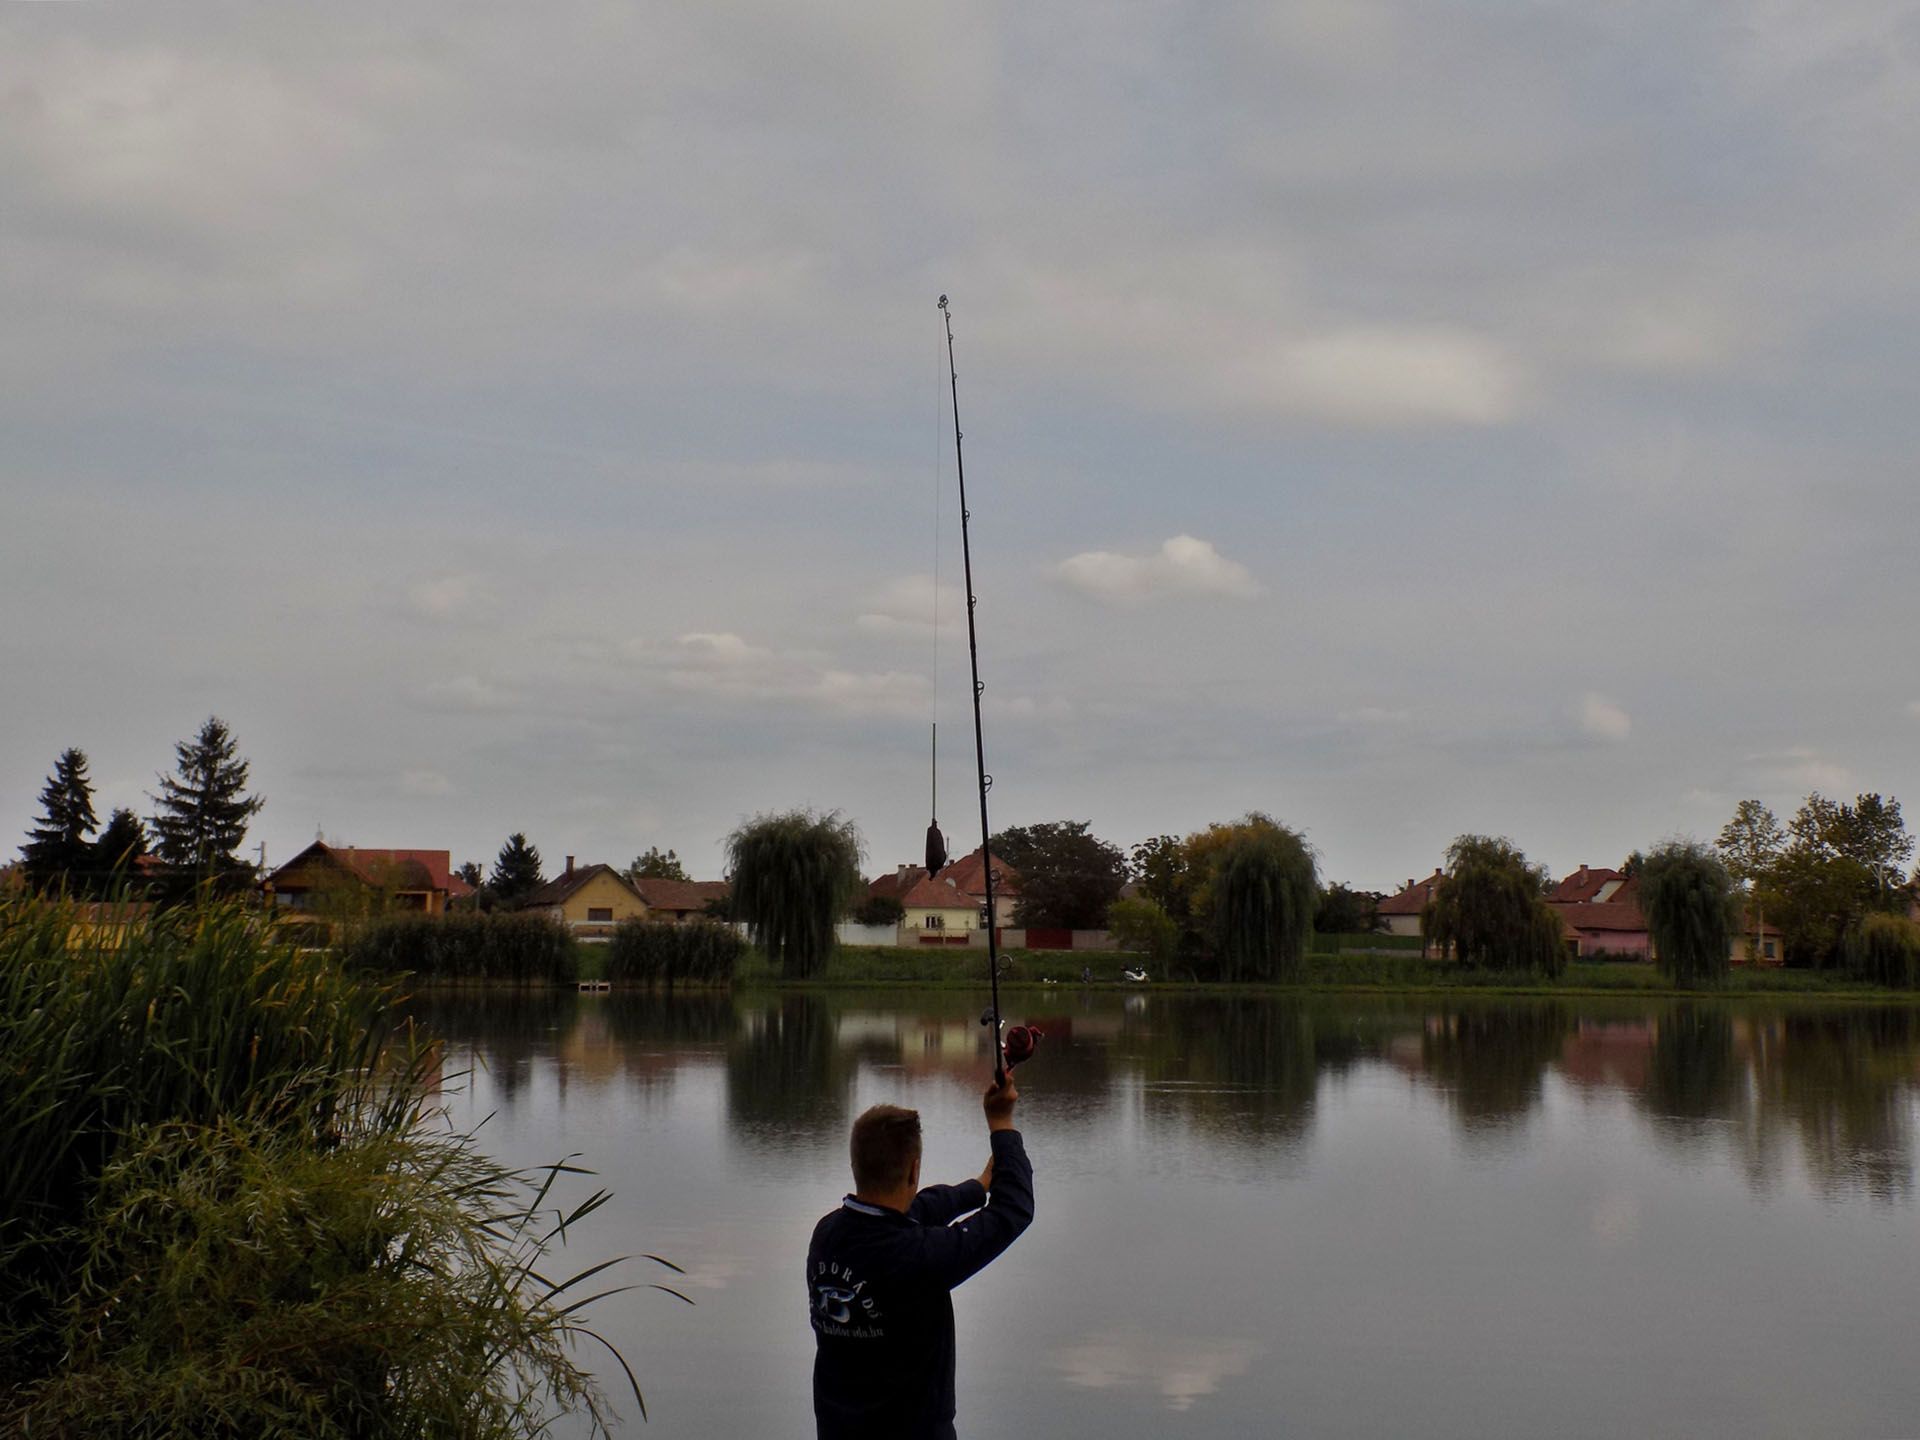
{"x": 1490, "y": 909}
{"x": 793, "y": 875}
{"x": 1345, "y": 911}
{"x": 1068, "y": 875}
{"x": 1687, "y": 895}
{"x": 1140, "y": 924}
{"x": 655, "y": 866}
{"x": 1263, "y": 885}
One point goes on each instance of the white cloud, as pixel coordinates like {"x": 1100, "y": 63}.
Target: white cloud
{"x": 1182, "y": 567}
{"x": 469, "y": 693}
{"x": 1799, "y": 768}
{"x": 728, "y": 666}
{"x": 425, "y": 783}
{"x": 911, "y": 603}
{"x": 443, "y": 598}
{"x": 1382, "y": 376}
{"x": 1602, "y": 719}
{"x": 1180, "y": 1369}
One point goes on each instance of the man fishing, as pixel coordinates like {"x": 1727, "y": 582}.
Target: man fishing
{"x": 880, "y": 1268}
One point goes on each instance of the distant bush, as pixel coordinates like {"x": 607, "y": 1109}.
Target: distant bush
{"x": 522, "y": 949}
{"x": 1885, "y": 949}
{"x": 1140, "y": 924}
{"x": 658, "y": 952}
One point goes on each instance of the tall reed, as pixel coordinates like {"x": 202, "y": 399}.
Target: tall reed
{"x": 510, "y": 949}
{"x": 656, "y": 952}
{"x": 227, "y": 1207}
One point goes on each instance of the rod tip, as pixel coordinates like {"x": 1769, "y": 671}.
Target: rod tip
{"x": 943, "y": 302}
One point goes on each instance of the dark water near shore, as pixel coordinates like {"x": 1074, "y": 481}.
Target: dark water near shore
{"x": 1310, "y": 1217}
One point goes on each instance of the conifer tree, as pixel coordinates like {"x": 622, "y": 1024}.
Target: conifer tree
{"x": 122, "y": 842}
{"x": 57, "y": 852}
{"x": 202, "y": 809}
{"x": 517, "y": 870}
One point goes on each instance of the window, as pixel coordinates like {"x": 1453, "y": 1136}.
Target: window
{"x": 934, "y": 922}
{"x": 600, "y": 915}
{"x": 1767, "y": 949}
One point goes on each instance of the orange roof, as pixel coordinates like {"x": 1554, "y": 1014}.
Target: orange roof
{"x": 1413, "y": 899}
{"x": 1583, "y": 884}
{"x": 405, "y": 869}
{"x": 938, "y": 893}
{"x": 969, "y": 875}
{"x": 1608, "y": 915}
{"x": 681, "y": 895}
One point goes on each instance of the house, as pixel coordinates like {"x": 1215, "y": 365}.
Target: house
{"x": 968, "y": 875}
{"x": 588, "y": 899}
{"x": 347, "y": 880}
{"x": 679, "y": 900}
{"x": 1614, "y": 928}
{"x": 1400, "y": 912}
{"x": 1770, "y": 943}
{"x": 938, "y": 912}
{"x": 1588, "y": 886}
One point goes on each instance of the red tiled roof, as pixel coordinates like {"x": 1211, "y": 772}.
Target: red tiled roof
{"x": 406, "y": 869}
{"x": 897, "y": 884}
{"x": 969, "y": 875}
{"x": 1583, "y": 884}
{"x": 681, "y": 895}
{"x": 938, "y": 893}
{"x": 1610, "y": 916}
{"x": 1413, "y": 899}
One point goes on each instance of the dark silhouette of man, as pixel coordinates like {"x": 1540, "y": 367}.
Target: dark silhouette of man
{"x": 880, "y": 1269}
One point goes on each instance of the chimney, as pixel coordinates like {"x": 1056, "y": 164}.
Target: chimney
{"x": 569, "y": 864}
{"x": 1410, "y": 882}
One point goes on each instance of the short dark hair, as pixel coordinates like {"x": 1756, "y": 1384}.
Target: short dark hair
{"x": 886, "y": 1142}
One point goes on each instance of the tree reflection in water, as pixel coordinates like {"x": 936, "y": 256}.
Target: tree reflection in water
{"x": 1833, "y": 1089}
{"x": 1490, "y": 1059}
{"x": 786, "y": 1080}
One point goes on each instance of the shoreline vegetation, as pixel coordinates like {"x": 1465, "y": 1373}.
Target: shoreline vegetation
{"x": 1352, "y": 968}
{"x": 234, "y": 1205}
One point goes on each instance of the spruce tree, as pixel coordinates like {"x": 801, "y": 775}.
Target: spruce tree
{"x": 202, "y": 809}
{"x": 57, "y": 853}
{"x": 517, "y": 870}
{"x": 120, "y": 844}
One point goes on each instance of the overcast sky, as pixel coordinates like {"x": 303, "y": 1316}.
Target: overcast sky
{"x": 1403, "y": 419}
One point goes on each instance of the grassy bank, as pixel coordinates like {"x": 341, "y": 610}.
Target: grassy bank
{"x": 1406, "y": 973}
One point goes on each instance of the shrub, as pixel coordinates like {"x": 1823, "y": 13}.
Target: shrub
{"x": 658, "y": 952}
{"x": 521, "y": 949}
{"x": 1884, "y": 949}
{"x": 223, "y": 1213}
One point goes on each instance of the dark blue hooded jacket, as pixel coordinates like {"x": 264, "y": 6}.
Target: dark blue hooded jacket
{"x": 877, "y": 1284}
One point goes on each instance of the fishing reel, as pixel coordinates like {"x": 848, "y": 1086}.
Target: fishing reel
{"x": 1018, "y": 1044}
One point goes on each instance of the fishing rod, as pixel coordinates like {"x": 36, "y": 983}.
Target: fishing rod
{"x": 1009, "y": 1047}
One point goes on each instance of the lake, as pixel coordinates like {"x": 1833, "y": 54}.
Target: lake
{"x": 1304, "y": 1216}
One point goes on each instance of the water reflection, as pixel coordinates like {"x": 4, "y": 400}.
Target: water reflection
{"x": 1830, "y": 1091}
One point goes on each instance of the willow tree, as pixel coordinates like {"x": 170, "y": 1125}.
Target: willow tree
{"x": 1490, "y": 909}
{"x": 793, "y": 876}
{"x": 1262, "y": 888}
{"x": 1687, "y": 895}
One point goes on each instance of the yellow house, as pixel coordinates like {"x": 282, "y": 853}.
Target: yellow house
{"x": 589, "y": 900}
{"x": 938, "y": 912}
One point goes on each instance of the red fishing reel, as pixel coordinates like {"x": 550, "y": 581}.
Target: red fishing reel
{"x": 1021, "y": 1042}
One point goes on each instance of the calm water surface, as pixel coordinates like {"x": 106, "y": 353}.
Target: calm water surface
{"x": 1308, "y": 1217}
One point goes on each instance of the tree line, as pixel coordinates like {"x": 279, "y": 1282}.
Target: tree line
{"x": 192, "y": 838}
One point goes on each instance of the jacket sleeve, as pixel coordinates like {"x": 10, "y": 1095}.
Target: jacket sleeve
{"x": 940, "y": 1204}
{"x": 953, "y": 1254}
